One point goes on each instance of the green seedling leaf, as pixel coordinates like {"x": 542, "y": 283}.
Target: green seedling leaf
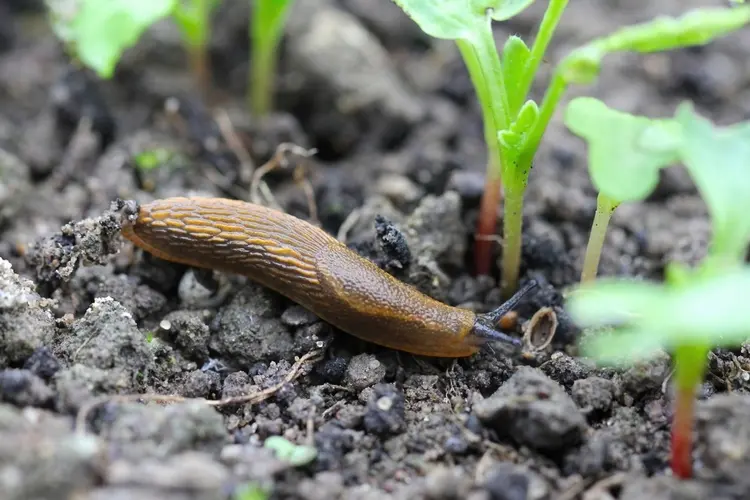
{"x": 515, "y": 56}
{"x": 102, "y": 30}
{"x": 582, "y": 66}
{"x": 193, "y": 19}
{"x": 719, "y": 163}
{"x": 250, "y": 491}
{"x": 269, "y": 17}
{"x": 296, "y": 455}
{"x": 266, "y": 30}
{"x": 457, "y": 19}
{"x": 626, "y": 151}
{"x": 515, "y": 137}
{"x": 697, "y": 27}
{"x": 152, "y": 158}
{"x": 709, "y": 309}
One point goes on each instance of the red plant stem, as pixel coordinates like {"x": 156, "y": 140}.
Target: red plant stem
{"x": 682, "y": 433}
{"x": 200, "y": 67}
{"x": 486, "y": 225}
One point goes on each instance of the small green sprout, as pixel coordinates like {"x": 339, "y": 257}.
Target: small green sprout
{"x": 266, "y": 28}
{"x": 514, "y": 124}
{"x": 250, "y": 491}
{"x": 625, "y": 155}
{"x": 97, "y": 33}
{"x": 194, "y": 20}
{"x": 689, "y": 314}
{"x": 626, "y": 152}
{"x": 694, "y": 310}
{"x": 718, "y": 160}
{"x": 502, "y": 86}
{"x": 296, "y": 455}
{"x": 151, "y": 159}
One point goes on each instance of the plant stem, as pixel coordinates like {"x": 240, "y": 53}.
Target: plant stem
{"x": 485, "y": 70}
{"x": 552, "y": 97}
{"x": 690, "y": 366}
{"x": 605, "y": 206}
{"x": 199, "y": 67}
{"x": 682, "y": 429}
{"x": 547, "y": 29}
{"x": 512, "y": 239}
{"x": 266, "y": 29}
{"x": 261, "y": 78}
{"x": 486, "y": 224}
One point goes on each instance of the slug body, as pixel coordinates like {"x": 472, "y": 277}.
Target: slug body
{"x": 307, "y": 265}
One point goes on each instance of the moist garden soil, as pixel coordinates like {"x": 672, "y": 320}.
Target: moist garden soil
{"x": 85, "y": 317}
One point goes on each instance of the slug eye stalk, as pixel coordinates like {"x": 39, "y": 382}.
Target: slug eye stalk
{"x": 485, "y": 324}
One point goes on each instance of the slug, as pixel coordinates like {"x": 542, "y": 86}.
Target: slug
{"x": 310, "y": 267}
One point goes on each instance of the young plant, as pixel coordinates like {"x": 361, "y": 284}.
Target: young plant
{"x": 266, "y": 28}
{"x": 625, "y": 155}
{"x": 501, "y": 86}
{"x": 689, "y": 314}
{"x": 97, "y": 33}
{"x": 627, "y": 151}
{"x": 514, "y": 124}
{"x": 193, "y": 17}
{"x": 296, "y": 455}
{"x": 251, "y": 491}
{"x": 694, "y": 310}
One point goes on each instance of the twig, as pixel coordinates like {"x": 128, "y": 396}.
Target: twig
{"x": 226, "y": 127}
{"x": 257, "y": 397}
{"x": 346, "y": 226}
{"x": 279, "y": 159}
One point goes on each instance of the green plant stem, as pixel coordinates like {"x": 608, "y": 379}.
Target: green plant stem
{"x": 546, "y": 31}
{"x": 200, "y": 67}
{"x": 261, "y": 77}
{"x": 689, "y": 370}
{"x": 557, "y": 87}
{"x": 266, "y": 28}
{"x": 485, "y": 70}
{"x": 512, "y": 238}
{"x": 605, "y": 206}
{"x": 516, "y": 177}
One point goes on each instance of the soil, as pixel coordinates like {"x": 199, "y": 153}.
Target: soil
{"x": 398, "y": 139}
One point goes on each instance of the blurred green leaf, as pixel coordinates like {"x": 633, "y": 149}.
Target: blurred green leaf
{"x": 100, "y": 31}
{"x": 697, "y": 27}
{"x": 194, "y": 19}
{"x": 250, "y": 491}
{"x": 296, "y": 455}
{"x": 718, "y": 160}
{"x": 709, "y": 309}
{"x": 626, "y": 151}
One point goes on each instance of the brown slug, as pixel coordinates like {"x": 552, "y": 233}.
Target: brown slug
{"x": 310, "y": 267}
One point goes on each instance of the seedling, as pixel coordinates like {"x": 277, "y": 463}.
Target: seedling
{"x": 514, "y": 125}
{"x": 250, "y": 491}
{"x": 296, "y": 455}
{"x": 689, "y": 314}
{"x": 266, "y": 28}
{"x": 694, "y": 310}
{"x": 152, "y": 159}
{"x": 627, "y": 151}
{"x": 625, "y": 155}
{"x": 97, "y": 33}
{"x": 194, "y": 20}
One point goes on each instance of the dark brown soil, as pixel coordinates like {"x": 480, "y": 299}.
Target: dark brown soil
{"x": 399, "y": 142}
